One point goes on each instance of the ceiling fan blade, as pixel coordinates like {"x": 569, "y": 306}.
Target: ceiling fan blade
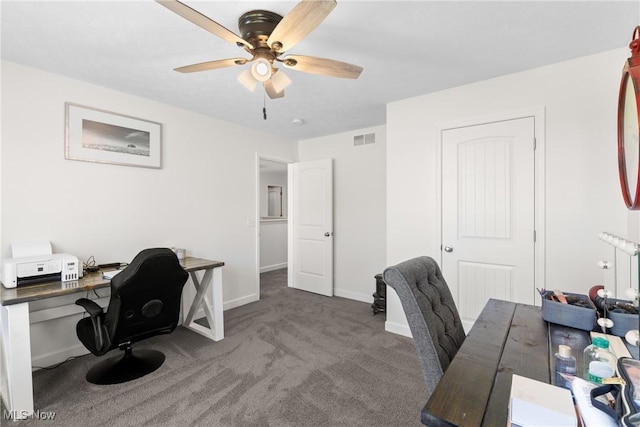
{"x": 204, "y": 22}
{"x": 212, "y": 65}
{"x": 322, "y": 66}
{"x": 271, "y": 91}
{"x": 298, "y": 23}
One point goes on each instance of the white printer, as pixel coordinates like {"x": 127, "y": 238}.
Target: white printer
{"x": 33, "y": 262}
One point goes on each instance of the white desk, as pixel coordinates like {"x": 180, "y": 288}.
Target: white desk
{"x": 16, "y": 382}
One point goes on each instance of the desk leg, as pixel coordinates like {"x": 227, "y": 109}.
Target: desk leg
{"x": 213, "y": 310}
{"x": 15, "y": 355}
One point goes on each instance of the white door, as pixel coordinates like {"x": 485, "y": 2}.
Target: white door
{"x": 311, "y": 226}
{"x": 488, "y": 228}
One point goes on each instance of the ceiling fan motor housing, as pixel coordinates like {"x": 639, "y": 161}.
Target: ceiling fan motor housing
{"x": 257, "y": 25}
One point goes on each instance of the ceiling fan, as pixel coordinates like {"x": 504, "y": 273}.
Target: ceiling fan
{"x": 266, "y": 36}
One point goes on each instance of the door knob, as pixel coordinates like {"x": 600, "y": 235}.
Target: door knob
{"x": 327, "y": 234}
{"x": 448, "y": 249}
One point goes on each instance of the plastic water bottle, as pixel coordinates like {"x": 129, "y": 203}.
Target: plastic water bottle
{"x": 599, "y": 361}
{"x": 565, "y": 364}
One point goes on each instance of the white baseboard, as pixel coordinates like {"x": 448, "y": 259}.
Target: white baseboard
{"x": 353, "y": 295}
{"x": 273, "y": 267}
{"x": 240, "y": 301}
{"x": 397, "y": 328}
{"x": 58, "y": 356}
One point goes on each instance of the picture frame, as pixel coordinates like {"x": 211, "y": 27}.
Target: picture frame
{"x": 99, "y": 136}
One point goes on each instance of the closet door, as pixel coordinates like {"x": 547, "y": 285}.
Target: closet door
{"x": 488, "y": 228}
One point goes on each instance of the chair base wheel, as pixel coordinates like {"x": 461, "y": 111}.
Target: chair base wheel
{"x": 126, "y": 367}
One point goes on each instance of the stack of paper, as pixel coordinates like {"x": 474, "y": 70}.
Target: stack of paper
{"x": 534, "y": 403}
{"x": 110, "y": 274}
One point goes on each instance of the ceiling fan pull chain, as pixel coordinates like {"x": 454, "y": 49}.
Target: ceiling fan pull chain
{"x": 264, "y": 106}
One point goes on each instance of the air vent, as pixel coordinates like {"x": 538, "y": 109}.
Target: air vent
{"x": 367, "y": 138}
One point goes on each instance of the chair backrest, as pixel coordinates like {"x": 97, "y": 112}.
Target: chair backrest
{"x": 145, "y": 297}
{"x": 431, "y": 313}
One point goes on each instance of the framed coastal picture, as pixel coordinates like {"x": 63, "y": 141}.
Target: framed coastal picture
{"x": 99, "y": 136}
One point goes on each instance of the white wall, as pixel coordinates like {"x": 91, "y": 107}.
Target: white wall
{"x": 273, "y": 244}
{"x": 202, "y": 199}
{"x": 359, "y": 208}
{"x": 582, "y": 189}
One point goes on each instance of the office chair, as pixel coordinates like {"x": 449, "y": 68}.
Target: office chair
{"x": 145, "y": 301}
{"x": 431, "y": 313}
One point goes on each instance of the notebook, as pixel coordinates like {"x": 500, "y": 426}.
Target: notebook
{"x": 534, "y": 403}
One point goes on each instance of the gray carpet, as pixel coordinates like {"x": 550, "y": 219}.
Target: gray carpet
{"x": 291, "y": 359}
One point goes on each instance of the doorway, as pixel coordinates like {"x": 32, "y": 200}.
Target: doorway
{"x": 271, "y": 217}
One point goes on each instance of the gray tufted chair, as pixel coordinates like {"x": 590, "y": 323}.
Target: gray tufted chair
{"x": 431, "y": 312}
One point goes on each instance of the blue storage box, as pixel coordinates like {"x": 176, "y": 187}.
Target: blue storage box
{"x": 622, "y": 322}
{"x": 579, "y": 317}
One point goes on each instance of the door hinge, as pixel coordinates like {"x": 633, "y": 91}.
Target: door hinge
{"x": 534, "y": 236}
{"x": 534, "y": 143}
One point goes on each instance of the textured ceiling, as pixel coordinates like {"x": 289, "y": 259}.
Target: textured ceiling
{"x": 407, "y": 48}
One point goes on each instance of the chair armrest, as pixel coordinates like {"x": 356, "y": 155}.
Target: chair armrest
{"x": 90, "y": 307}
{"x": 95, "y": 311}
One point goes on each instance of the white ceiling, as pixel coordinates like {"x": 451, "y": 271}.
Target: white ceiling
{"x": 407, "y": 48}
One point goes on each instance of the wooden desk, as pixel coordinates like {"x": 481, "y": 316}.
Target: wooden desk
{"x": 16, "y": 385}
{"x": 506, "y": 339}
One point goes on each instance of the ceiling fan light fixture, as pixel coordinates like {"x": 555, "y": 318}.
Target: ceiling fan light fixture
{"x": 280, "y": 81}
{"x": 273, "y": 94}
{"x": 247, "y": 80}
{"x": 261, "y": 70}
